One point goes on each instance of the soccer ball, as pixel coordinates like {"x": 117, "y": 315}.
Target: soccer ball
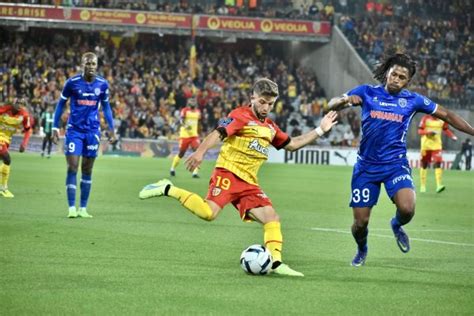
{"x": 256, "y": 259}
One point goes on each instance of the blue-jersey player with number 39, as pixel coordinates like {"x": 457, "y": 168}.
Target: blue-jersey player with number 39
{"x": 387, "y": 111}
{"x": 88, "y": 93}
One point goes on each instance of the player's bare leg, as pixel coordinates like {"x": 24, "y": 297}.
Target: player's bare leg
{"x": 405, "y": 200}
{"x": 273, "y": 238}
{"x": 71, "y": 179}
{"x": 86, "y": 183}
{"x": 360, "y": 232}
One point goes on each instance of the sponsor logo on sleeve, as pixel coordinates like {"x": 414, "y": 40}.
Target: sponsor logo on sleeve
{"x": 225, "y": 121}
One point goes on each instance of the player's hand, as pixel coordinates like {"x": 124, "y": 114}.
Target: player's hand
{"x": 22, "y": 148}
{"x": 112, "y": 138}
{"x": 194, "y": 161}
{"x": 353, "y": 99}
{"x": 328, "y": 121}
{"x": 55, "y": 136}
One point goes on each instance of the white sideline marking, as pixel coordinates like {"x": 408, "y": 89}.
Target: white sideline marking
{"x": 340, "y": 231}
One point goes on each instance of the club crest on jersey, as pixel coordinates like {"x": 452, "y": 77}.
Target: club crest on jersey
{"x": 255, "y": 145}
{"x": 216, "y": 191}
{"x": 402, "y": 102}
{"x": 97, "y": 91}
{"x": 426, "y": 101}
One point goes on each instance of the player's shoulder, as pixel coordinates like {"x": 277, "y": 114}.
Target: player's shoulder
{"x": 24, "y": 112}
{"x": 5, "y": 108}
{"x": 241, "y": 111}
{"x": 101, "y": 79}
{"x": 75, "y": 78}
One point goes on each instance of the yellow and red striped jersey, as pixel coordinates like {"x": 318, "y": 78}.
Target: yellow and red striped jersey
{"x": 10, "y": 123}
{"x": 247, "y": 143}
{"x": 189, "y": 122}
{"x": 428, "y": 125}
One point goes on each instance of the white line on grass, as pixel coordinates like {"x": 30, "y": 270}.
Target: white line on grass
{"x": 340, "y": 231}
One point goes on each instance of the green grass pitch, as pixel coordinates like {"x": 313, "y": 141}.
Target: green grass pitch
{"x": 153, "y": 257}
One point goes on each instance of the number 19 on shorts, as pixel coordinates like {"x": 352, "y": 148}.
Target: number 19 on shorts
{"x": 358, "y": 195}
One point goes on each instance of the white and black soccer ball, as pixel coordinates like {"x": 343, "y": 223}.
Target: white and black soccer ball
{"x": 256, "y": 259}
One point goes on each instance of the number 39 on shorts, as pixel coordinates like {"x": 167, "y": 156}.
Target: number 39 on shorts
{"x": 223, "y": 183}
{"x": 358, "y": 194}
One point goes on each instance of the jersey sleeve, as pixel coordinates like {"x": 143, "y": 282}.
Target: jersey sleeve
{"x": 182, "y": 113}
{"x": 425, "y": 105}
{"x": 67, "y": 90}
{"x": 359, "y": 91}
{"x": 281, "y": 138}
{"x": 105, "y": 93}
{"x": 231, "y": 124}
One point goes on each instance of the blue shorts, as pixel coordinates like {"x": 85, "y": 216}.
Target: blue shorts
{"x": 366, "y": 180}
{"x": 84, "y": 144}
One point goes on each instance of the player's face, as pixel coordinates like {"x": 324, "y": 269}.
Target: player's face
{"x": 397, "y": 78}
{"x": 89, "y": 66}
{"x": 262, "y": 105}
{"x": 18, "y": 103}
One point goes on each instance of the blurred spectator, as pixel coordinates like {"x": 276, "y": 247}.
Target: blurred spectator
{"x": 438, "y": 33}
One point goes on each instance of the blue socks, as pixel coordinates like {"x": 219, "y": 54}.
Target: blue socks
{"x": 71, "y": 188}
{"x": 86, "y": 184}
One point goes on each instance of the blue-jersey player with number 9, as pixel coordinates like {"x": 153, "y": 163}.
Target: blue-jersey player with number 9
{"x": 387, "y": 111}
{"x": 88, "y": 93}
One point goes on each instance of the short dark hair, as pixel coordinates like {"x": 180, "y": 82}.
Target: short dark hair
{"x": 403, "y": 60}
{"x": 265, "y": 87}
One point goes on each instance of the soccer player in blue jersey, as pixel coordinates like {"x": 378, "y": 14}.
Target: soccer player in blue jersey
{"x": 387, "y": 110}
{"x": 88, "y": 92}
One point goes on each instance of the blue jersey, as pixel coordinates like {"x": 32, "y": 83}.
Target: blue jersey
{"x": 86, "y": 99}
{"x": 385, "y": 120}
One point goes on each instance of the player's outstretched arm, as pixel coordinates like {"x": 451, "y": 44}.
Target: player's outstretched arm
{"x": 342, "y": 102}
{"x": 328, "y": 121}
{"x": 454, "y": 120}
{"x": 195, "y": 159}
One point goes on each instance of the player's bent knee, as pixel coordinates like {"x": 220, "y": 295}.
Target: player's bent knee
{"x": 360, "y": 224}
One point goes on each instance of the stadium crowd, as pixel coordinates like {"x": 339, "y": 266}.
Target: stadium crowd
{"x": 286, "y": 9}
{"x": 150, "y": 80}
{"x": 438, "y": 32}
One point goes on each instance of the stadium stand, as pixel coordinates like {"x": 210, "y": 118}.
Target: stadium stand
{"x": 439, "y": 33}
{"x": 149, "y": 73}
{"x": 150, "y": 80}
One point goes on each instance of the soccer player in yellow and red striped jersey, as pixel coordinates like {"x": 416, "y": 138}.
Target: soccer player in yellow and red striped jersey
{"x": 12, "y": 118}
{"x": 188, "y": 134}
{"x": 247, "y": 134}
{"x": 430, "y": 129}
